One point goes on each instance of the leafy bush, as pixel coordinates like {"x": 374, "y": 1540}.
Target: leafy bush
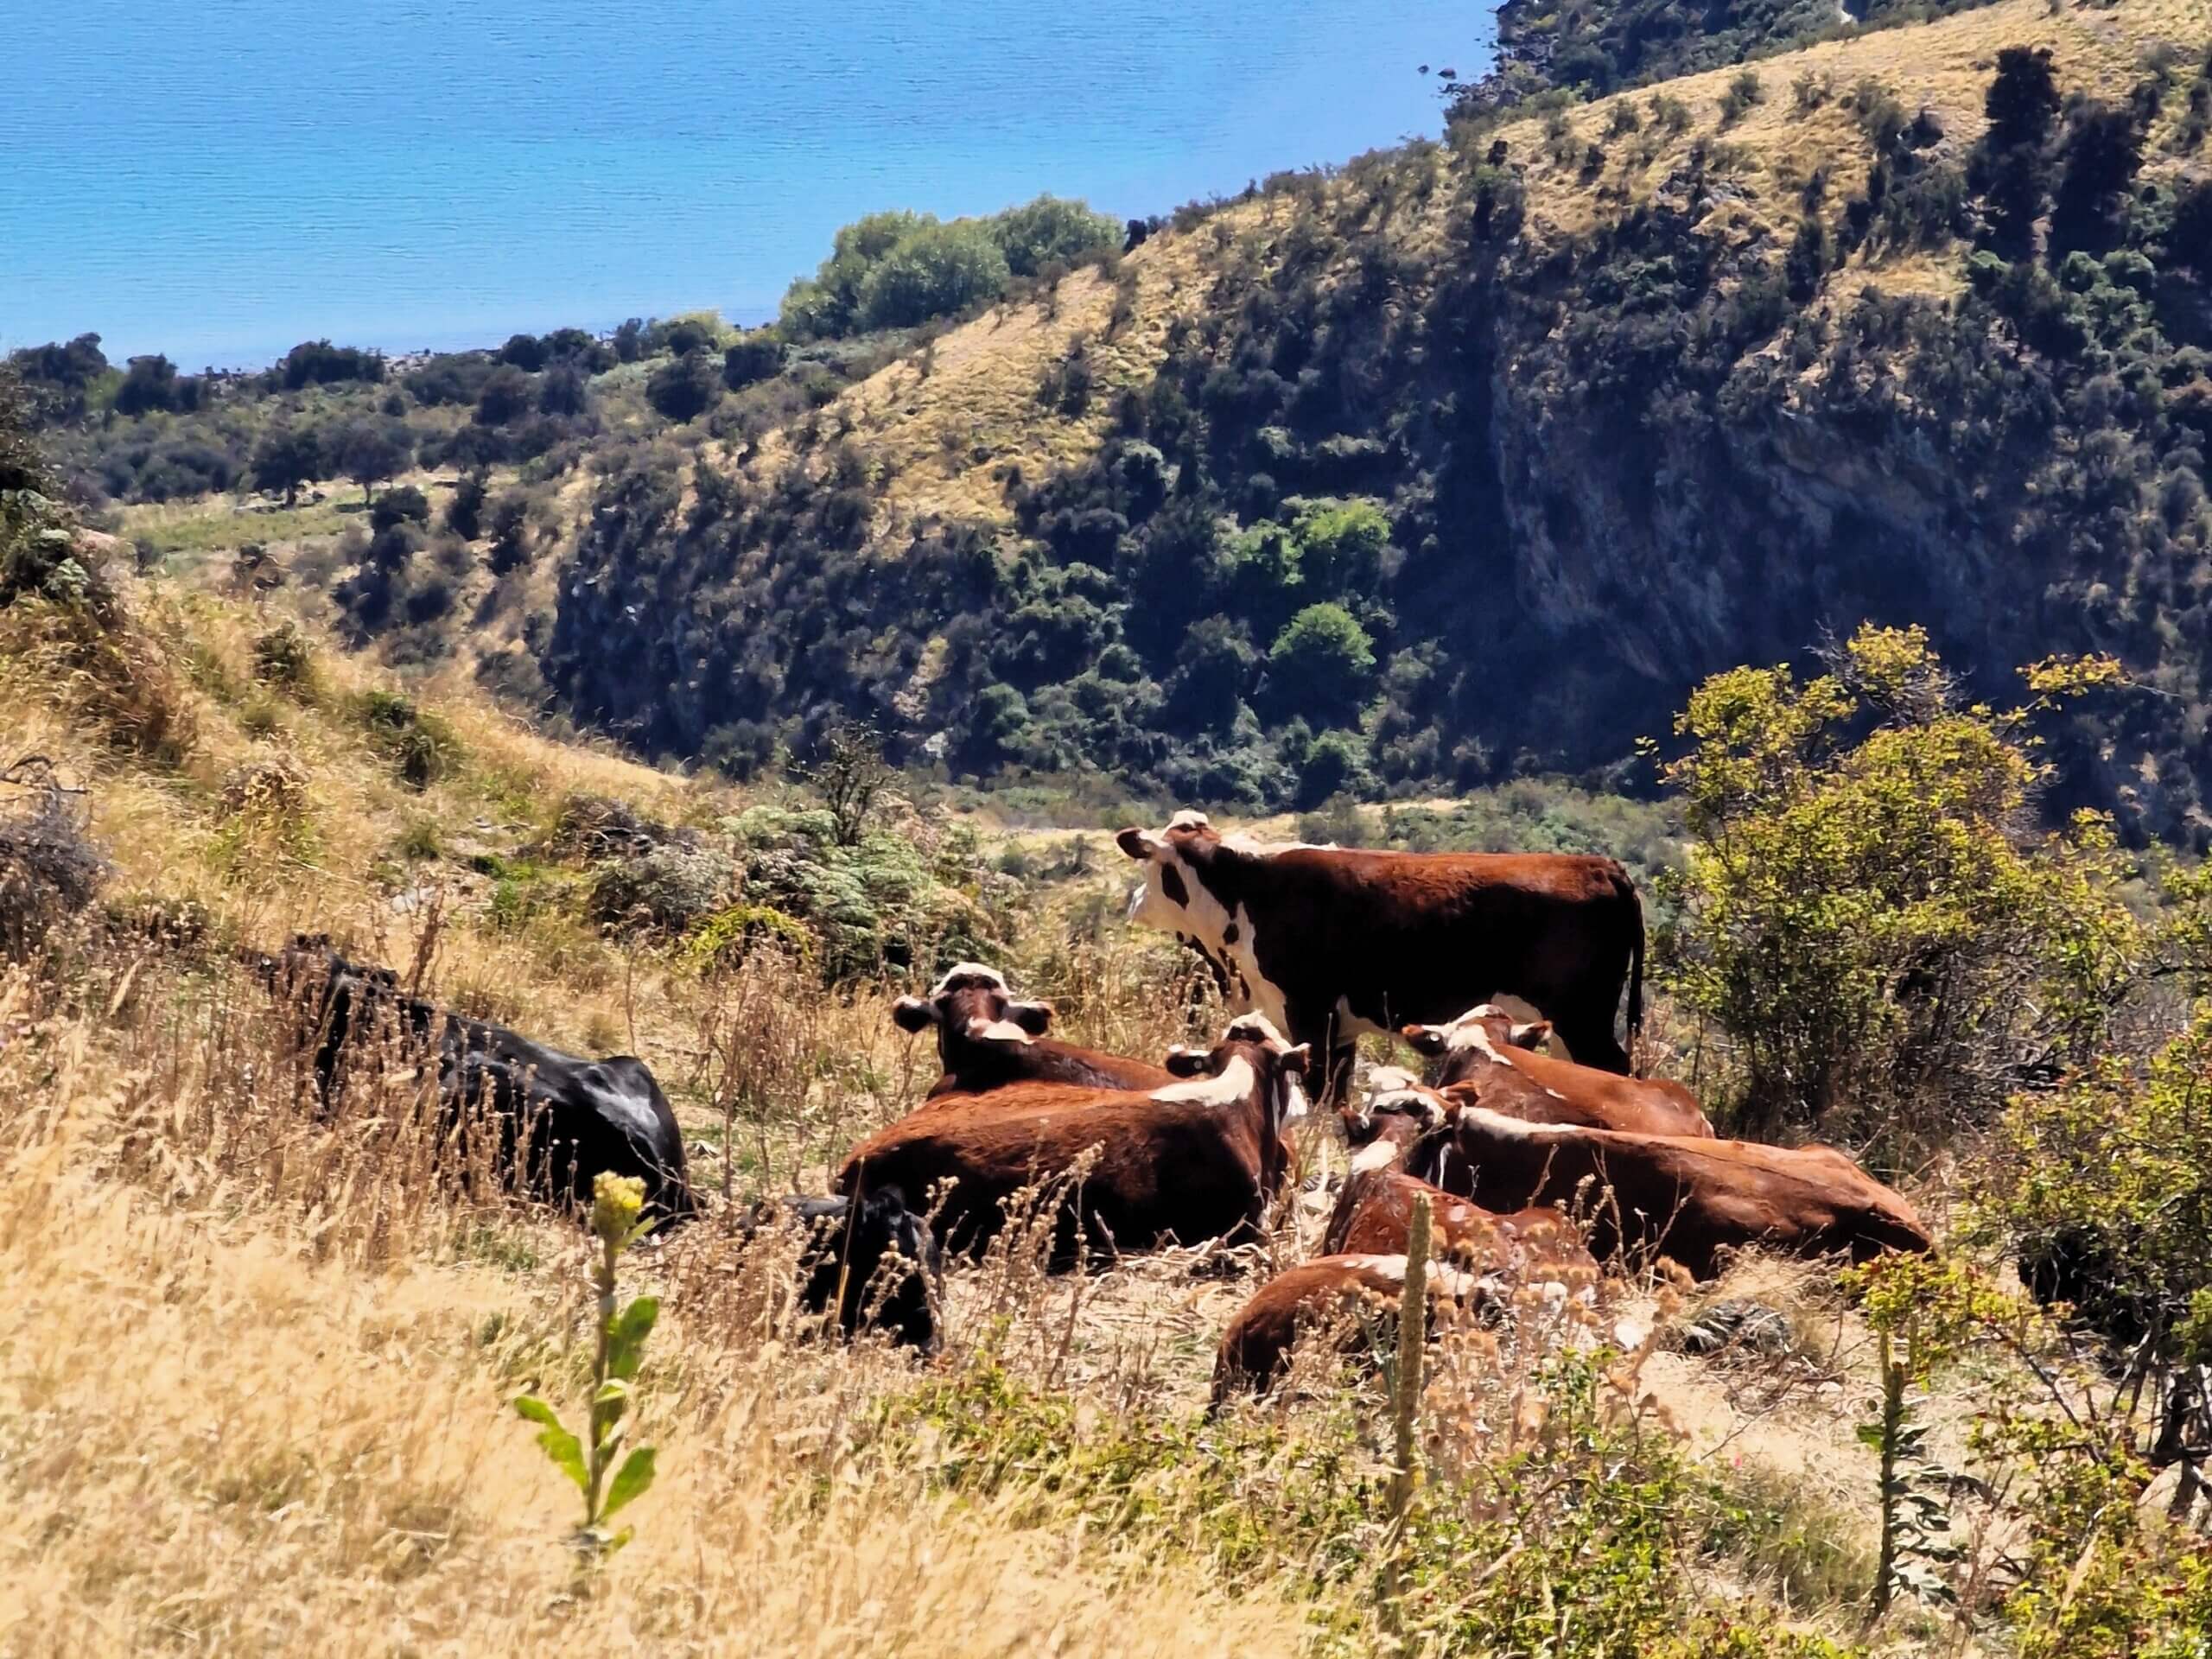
{"x": 935, "y": 270}
{"x": 1868, "y": 909}
{"x": 752, "y": 357}
{"x": 420, "y": 745}
{"x": 318, "y": 363}
{"x": 1323, "y": 662}
{"x": 669, "y": 889}
{"x": 878, "y": 907}
{"x": 282, "y": 657}
{"x": 685, "y": 387}
{"x": 1050, "y": 230}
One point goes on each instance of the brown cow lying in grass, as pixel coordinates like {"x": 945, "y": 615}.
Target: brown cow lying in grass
{"x": 1195, "y": 1158}
{"x": 1688, "y": 1198}
{"x": 986, "y": 1040}
{"x": 1356, "y": 1297}
{"x": 1374, "y": 1205}
{"x": 1486, "y": 1057}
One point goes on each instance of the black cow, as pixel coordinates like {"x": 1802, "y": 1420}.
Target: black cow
{"x": 559, "y": 1119}
{"x": 881, "y": 1264}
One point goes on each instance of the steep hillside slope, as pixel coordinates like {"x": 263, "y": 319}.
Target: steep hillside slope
{"x": 1642, "y": 388}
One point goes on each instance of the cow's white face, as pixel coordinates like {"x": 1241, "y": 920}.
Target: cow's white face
{"x": 1235, "y": 1080}
{"x": 1175, "y": 899}
{"x": 1491, "y": 1029}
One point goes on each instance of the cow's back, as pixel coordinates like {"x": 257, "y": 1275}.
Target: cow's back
{"x": 1045, "y": 1059}
{"x": 1540, "y": 1089}
{"x": 1691, "y": 1199}
{"x": 1154, "y": 1168}
{"x": 1393, "y": 938}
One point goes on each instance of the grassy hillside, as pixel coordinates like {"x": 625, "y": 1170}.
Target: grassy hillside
{"x": 1449, "y": 467}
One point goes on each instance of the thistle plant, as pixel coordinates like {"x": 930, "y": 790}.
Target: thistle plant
{"x": 617, "y": 1201}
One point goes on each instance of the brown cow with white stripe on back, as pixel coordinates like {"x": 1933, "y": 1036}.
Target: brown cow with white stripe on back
{"x": 1487, "y": 1057}
{"x": 1196, "y": 1159}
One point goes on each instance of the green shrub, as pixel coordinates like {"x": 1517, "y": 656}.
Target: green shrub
{"x": 1323, "y": 663}
{"x": 282, "y": 657}
{"x": 876, "y": 906}
{"x": 1050, "y": 230}
{"x": 1867, "y": 910}
{"x": 420, "y": 745}
{"x": 1743, "y": 90}
{"x": 936, "y": 270}
{"x": 669, "y": 889}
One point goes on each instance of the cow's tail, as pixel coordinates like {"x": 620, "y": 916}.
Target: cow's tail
{"x": 1635, "y": 962}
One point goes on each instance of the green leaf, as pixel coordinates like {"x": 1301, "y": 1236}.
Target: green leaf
{"x": 566, "y": 1451}
{"x": 1870, "y": 1435}
{"x": 631, "y": 1480}
{"x": 626, "y": 1336}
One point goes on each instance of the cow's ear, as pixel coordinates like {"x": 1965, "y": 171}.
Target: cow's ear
{"x": 1036, "y": 1017}
{"x": 1427, "y": 1040}
{"x": 1140, "y": 844}
{"x": 1187, "y": 1062}
{"x": 1294, "y": 1060}
{"x": 1531, "y": 1035}
{"x": 914, "y": 1013}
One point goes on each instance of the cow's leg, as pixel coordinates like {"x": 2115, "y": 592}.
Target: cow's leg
{"x": 1342, "y": 1055}
{"x": 1589, "y": 1038}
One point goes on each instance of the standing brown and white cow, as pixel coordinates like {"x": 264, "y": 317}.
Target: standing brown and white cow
{"x": 1330, "y": 942}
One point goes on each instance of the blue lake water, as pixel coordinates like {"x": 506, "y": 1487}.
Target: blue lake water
{"x": 220, "y": 179}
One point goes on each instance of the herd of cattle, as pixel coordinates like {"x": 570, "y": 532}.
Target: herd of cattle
{"x": 1539, "y": 1170}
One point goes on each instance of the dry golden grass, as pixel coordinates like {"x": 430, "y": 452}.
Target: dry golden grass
{"x": 232, "y": 1431}
{"x": 1943, "y": 66}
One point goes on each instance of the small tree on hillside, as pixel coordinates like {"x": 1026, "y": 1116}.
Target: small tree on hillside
{"x": 852, "y": 777}
{"x": 369, "y": 454}
{"x": 935, "y": 271}
{"x": 287, "y": 458}
{"x": 1050, "y": 228}
{"x": 1870, "y": 912}
{"x": 1323, "y": 664}
{"x": 685, "y": 387}
{"x": 506, "y": 397}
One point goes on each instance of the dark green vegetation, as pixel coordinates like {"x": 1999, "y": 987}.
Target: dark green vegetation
{"x": 899, "y": 269}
